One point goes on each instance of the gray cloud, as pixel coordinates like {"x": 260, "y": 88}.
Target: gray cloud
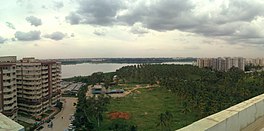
{"x": 98, "y": 12}
{"x": 27, "y": 36}
{"x": 55, "y": 36}
{"x": 2, "y": 40}
{"x": 10, "y": 25}
{"x": 34, "y": 20}
{"x": 13, "y": 39}
{"x": 73, "y": 18}
{"x": 161, "y": 15}
{"x": 232, "y": 20}
{"x": 58, "y": 4}
{"x": 100, "y": 32}
{"x": 138, "y": 29}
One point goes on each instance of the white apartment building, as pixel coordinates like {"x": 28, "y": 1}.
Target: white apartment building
{"x": 8, "y": 89}
{"x": 222, "y": 64}
{"x": 38, "y": 84}
{"x": 255, "y": 61}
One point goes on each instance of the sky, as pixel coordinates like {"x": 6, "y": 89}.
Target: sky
{"x": 131, "y": 28}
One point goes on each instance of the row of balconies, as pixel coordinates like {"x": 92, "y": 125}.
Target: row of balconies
{"x": 44, "y": 76}
{"x": 9, "y": 78}
{"x": 9, "y": 71}
{"x": 9, "y": 89}
{"x": 31, "y": 88}
{"x": 10, "y": 106}
{"x": 45, "y": 89}
{"x": 9, "y": 95}
{"x": 29, "y": 105}
{"x": 28, "y": 73}
{"x": 31, "y": 78}
{"x": 32, "y": 93}
{"x": 45, "y": 93}
{"x": 32, "y": 97}
{"x": 30, "y": 82}
{"x": 29, "y": 68}
{"x": 31, "y": 111}
{"x": 12, "y": 101}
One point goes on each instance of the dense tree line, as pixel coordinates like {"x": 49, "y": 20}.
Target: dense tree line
{"x": 201, "y": 90}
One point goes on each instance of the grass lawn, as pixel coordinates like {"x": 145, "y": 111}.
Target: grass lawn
{"x": 145, "y": 107}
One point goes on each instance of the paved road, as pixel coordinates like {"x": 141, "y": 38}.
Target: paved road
{"x": 60, "y": 124}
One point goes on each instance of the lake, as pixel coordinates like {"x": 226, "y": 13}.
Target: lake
{"x": 86, "y": 69}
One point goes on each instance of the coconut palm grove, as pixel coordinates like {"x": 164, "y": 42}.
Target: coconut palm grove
{"x": 175, "y": 96}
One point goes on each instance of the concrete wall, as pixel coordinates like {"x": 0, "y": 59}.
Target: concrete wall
{"x": 234, "y": 118}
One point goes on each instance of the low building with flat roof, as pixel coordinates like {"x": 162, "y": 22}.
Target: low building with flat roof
{"x": 7, "y": 124}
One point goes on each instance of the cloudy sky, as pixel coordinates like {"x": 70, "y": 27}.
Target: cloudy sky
{"x": 131, "y": 28}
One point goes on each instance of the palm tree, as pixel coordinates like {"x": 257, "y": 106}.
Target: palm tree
{"x": 165, "y": 120}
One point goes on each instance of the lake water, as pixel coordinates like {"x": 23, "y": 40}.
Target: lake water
{"x": 86, "y": 69}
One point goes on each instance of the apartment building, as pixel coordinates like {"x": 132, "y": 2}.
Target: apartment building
{"x": 38, "y": 84}
{"x": 222, "y": 64}
{"x": 8, "y": 89}
{"x": 255, "y": 61}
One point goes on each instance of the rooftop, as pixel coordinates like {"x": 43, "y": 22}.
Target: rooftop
{"x": 6, "y": 124}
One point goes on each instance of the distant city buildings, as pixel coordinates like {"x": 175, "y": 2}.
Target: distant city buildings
{"x": 28, "y": 86}
{"x": 255, "y": 61}
{"x": 222, "y": 64}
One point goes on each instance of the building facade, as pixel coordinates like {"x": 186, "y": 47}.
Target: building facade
{"x": 255, "y": 61}
{"x": 8, "y": 89}
{"x": 222, "y": 64}
{"x": 38, "y": 84}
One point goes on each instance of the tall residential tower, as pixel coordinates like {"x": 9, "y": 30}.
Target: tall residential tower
{"x": 8, "y": 89}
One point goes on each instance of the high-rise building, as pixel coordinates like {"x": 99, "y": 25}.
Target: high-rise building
{"x": 241, "y": 63}
{"x": 38, "y": 84}
{"x": 8, "y": 89}
{"x": 222, "y": 64}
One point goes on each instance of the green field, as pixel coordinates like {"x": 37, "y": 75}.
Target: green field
{"x": 145, "y": 107}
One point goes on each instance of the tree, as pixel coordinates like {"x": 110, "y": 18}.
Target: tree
{"x": 165, "y": 120}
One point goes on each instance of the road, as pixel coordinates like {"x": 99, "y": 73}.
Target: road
{"x": 59, "y": 123}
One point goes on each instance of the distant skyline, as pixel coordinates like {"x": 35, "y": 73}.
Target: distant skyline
{"x": 131, "y": 28}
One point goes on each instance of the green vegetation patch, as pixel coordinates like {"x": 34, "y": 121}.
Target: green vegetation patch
{"x": 146, "y": 106}
{"x": 26, "y": 125}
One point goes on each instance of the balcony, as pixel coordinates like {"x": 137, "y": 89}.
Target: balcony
{"x": 28, "y": 105}
{"x": 44, "y": 68}
{"x": 45, "y": 85}
{"x": 32, "y": 97}
{"x": 38, "y": 93}
{"x": 6, "y": 90}
{"x": 45, "y": 93}
{"x": 32, "y": 88}
{"x": 10, "y": 107}
{"x": 32, "y": 83}
{"x": 31, "y": 68}
{"x": 31, "y": 73}
{"x": 12, "y": 101}
{"x": 44, "y": 76}
{"x": 32, "y": 78}
{"x": 9, "y": 96}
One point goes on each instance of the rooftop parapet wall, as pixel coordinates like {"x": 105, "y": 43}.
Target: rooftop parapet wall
{"x": 234, "y": 118}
